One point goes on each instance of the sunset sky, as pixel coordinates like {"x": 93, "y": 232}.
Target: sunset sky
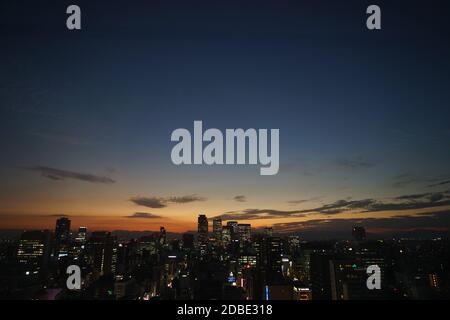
{"x": 86, "y": 116}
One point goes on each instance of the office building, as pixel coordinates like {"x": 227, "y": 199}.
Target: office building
{"x": 103, "y": 252}
{"x": 34, "y": 251}
{"x": 244, "y": 232}
{"x": 202, "y": 228}
{"x": 217, "y": 229}
{"x": 81, "y": 235}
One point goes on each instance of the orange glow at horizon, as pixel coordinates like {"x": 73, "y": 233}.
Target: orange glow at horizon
{"x": 176, "y": 224}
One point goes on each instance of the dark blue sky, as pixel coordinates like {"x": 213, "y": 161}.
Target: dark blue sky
{"x": 361, "y": 111}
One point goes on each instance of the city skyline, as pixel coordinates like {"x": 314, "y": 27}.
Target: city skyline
{"x": 336, "y": 229}
{"x": 230, "y": 263}
{"x": 86, "y": 118}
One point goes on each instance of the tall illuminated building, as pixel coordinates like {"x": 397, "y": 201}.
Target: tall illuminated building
{"x": 226, "y": 235}
{"x": 274, "y": 250}
{"x": 217, "y": 228}
{"x": 33, "y": 251}
{"x": 202, "y": 228}
{"x": 103, "y": 252}
{"x": 62, "y": 229}
{"x": 233, "y": 225}
{"x": 244, "y": 232}
{"x": 81, "y": 235}
{"x": 234, "y": 229}
{"x": 162, "y": 236}
{"x": 62, "y": 236}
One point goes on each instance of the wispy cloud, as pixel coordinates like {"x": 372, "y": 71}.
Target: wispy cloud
{"x": 184, "y": 199}
{"x": 144, "y": 215}
{"x": 58, "y": 174}
{"x": 162, "y": 202}
{"x": 400, "y": 203}
{"x": 240, "y": 198}
{"x": 303, "y": 200}
{"x": 404, "y": 202}
{"x": 253, "y": 214}
{"x": 439, "y": 220}
{"x": 150, "y": 202}
{"x": 440, "y": 183}
{"x": 405, "y": 179}
{"x": 409, "y": 178}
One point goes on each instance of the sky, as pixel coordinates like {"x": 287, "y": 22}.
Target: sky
{"x": 86, "y": 116}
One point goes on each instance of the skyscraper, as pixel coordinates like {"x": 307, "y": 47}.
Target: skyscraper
{"x": 202, "y": 228}
{"x": 62, "y": 230}
{"x": 82, "y": 235}
{"x": 62, "y": 235}
{"x": 274, "y": 250}
{"x": 226, "y": 235}
{"x": 103, "y": 252}
{"x": 217, "y": 228}
{"x": 233, "y": 228}
{"x": 233, "y": 225}
{"x": 34, "y": 251}
{"x": 162, "y": 236}
{"x": 244, "y": 231}
{"x": 320, "y": 274}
